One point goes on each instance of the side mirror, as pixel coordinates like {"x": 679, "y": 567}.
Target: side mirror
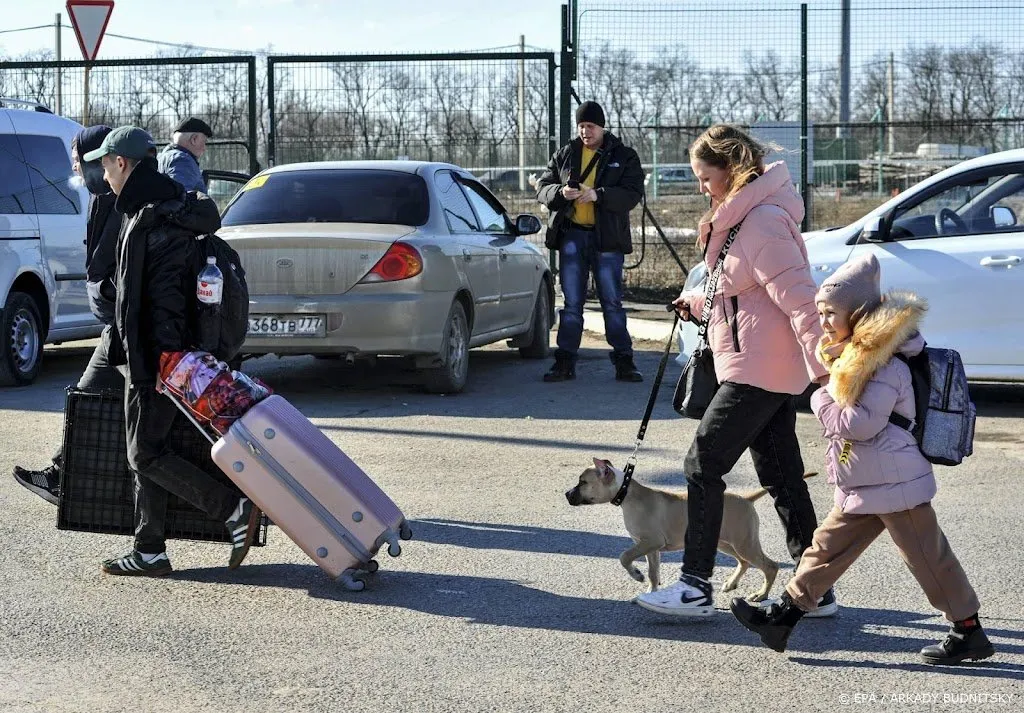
{"x": 874, "y": 230}
{"x": 1003, "y": 216}
{"x": 527, "y": 224}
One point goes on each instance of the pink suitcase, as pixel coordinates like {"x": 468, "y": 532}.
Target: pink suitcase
{"x": 321, "y": 499}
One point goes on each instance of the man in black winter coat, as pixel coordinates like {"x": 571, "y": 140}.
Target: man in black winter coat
{"x": 590, "y": 186}
{"x": 153, "y": 283}
{"x": 101, "y": 238}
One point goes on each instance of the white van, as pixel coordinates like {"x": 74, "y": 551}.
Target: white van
{"x": 42, "y": 240}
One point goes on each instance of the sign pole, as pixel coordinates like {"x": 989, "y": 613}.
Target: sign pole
{"x": 89, "y": 18}
{"x": 57, "y": 83}
{"x": 85, "y": 98}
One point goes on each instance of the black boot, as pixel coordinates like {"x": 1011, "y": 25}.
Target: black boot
{"x": 774, "y": 624}
{"x": 966, "y": 640}
{"x": 625, "y": 369}
{"x": 564, "y": 368}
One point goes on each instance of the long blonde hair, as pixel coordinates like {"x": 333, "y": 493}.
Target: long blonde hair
{"x": 731, "y": 149}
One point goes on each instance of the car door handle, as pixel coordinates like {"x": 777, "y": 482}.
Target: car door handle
{"x": 503, "y": 253}
{"x": 1001, "y": 261}
{"x": 466, "y": 255}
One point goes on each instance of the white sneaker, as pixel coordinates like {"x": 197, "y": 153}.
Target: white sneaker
{"x": 690, "y": 596}
{"x": 827, "y": 606}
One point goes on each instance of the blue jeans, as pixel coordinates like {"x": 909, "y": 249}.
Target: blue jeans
{"x": 578, "y": 257}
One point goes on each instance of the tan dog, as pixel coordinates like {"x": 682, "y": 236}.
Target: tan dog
{"x": 656, "y": 520}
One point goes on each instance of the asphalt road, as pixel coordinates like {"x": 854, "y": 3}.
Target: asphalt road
{"x": 507, "y": 599}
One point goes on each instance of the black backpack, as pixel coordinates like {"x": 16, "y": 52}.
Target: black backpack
{"x": 231, "y": 324}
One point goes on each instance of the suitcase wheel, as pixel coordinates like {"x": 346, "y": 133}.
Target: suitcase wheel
{"x": 349, "y": 580}
{"x": 372, "y": 566}
{"x": 405, "y": 532}
{"x": 394, "y": 549}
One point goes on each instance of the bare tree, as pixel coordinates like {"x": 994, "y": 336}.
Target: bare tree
{"x": 770, "y": 87}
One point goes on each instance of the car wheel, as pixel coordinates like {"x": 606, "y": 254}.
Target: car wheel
{"x": 540, "y": 333}
{"x": 21, "y": 349}
{"x": 450, "y": 377}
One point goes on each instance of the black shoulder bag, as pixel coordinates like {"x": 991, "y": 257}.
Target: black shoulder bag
{"x": 698, "y": 382}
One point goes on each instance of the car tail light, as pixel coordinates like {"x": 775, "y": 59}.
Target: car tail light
{"x": 400, "y": 262}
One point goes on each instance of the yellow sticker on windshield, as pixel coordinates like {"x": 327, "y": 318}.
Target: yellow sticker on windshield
{"x": 256, "y": 182}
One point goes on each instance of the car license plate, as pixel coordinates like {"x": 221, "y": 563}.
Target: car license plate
{"x": 286, "y": 325}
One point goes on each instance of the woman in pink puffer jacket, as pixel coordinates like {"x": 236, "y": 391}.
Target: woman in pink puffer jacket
{"x": 883, "y": 482}
{"x": 763, "y": 330}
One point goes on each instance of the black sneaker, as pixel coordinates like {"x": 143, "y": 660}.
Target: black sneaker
{"x": 959, "y": 646}
{"x": 625, "y": 369}
{"x": 243, "y": 531}
{"x": 45, "y": 483}
{"x": 132, "y": 565}
{"x": 564, "y": 368}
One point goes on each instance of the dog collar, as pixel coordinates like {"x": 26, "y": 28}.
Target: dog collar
{"x": 627, "y": 478}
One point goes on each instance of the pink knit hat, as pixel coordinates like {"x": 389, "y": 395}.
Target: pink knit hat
{"x": 854, "y": 285}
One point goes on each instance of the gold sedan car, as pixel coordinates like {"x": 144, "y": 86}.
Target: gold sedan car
{"x": 388, "y": 258}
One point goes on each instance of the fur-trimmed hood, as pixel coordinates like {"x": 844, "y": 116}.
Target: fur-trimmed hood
{"x": 889, "y": 329}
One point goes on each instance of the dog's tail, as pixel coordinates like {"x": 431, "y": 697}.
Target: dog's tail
{"x": 761, "y": 492}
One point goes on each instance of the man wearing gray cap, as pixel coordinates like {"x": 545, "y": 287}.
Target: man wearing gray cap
{"x": 180, "y": 158}
{"x": 152, "y": 278}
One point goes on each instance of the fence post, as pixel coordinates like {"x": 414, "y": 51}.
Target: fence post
{"x": 254, "y": 164}
{"x": 271, "y": 125}
{"x": 565, "y": 102}
{"x": 552, "y": 108}
{"x": 805, "y": 188}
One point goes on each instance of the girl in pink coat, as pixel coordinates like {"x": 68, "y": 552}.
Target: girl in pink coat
{"x": 882, "y": 480}
{"x": 763, "y": 330}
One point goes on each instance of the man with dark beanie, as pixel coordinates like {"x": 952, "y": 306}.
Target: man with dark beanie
{"x": 100, "y": 243}
{"x": 589, "y": 187}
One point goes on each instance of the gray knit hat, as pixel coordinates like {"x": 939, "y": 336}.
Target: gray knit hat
{"x": 854, "y": 285}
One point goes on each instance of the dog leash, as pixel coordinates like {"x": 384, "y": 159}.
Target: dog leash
{"x": 627, "y": 473}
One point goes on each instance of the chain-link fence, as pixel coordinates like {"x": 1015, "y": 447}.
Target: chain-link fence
{"x": 892, "y": 92}
{"x": 491, "y": 113}
{"x": 154, "y": 93}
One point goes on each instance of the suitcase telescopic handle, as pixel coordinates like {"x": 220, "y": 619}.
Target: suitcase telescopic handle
{"x": 188, "y": 414}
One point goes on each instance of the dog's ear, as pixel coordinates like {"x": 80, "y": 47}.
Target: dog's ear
{"x": 604, "y": 469}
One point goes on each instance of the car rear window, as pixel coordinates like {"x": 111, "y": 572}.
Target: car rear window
{"x": 331, "y": 196}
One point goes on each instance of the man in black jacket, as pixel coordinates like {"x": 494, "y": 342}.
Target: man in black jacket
{"x": 589, "y": 187}
{"x": 101, "y": 238}
{"x": 152, "y": 283}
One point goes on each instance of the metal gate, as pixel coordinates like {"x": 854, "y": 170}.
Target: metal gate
{"x": 491, "y": 113}
{"x": 153, "y": 93}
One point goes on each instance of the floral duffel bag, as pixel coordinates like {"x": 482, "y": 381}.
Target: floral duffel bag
{"x": 215, "y": 395}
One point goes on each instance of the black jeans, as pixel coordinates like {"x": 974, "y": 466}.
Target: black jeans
{"x": 741, "y": 417}
{"x": 99, "y": 375}
{"x": 157, "y": 471}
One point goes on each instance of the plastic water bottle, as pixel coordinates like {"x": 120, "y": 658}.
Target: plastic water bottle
{"x": 209, "y": 291}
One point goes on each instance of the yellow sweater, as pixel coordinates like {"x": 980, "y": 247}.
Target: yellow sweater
{"x": 583, "y": 213}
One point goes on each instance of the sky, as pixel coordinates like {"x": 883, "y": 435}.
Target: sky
{"x": 294, "y": 26}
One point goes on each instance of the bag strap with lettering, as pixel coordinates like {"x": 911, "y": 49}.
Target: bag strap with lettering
{"x": 712, "y": 283}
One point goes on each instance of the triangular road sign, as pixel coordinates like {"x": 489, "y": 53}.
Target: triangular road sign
{"x": 90, "y": 18}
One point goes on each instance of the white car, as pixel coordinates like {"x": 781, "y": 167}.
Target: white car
{"x": 957, "y": 239}
{"x": 42, "y": 240}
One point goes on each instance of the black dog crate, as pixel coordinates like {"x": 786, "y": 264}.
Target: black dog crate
{"x": 96, "y": 489}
